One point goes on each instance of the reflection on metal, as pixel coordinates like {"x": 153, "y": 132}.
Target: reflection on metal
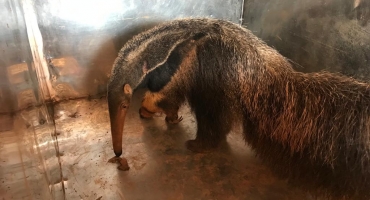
{"x": 29, "y": 166}
{"x": 95, "y": 14}
{"x": 242, "y": 14}
{"x": 17, "y": 74}
{"x": 36, "y": 46}
{"x": 27, "y": 170}
{"x": 317, "y": 35}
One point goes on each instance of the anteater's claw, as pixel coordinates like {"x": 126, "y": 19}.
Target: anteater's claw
{"x": 170, "y": 121}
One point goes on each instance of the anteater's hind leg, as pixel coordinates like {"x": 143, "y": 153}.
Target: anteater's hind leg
{"x": 155, "y": 102}
{"x": 213, "y": 127}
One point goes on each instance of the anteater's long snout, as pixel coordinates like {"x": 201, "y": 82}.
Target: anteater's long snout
{"x": 117, "y": 115}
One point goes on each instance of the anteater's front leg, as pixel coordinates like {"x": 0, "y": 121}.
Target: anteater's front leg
{"x": 149, "y": 105}
{"x": 159, "y": 103}
{"x": 212, "y": 130}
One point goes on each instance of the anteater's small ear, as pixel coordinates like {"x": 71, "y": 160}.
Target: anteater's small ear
{"x": 145, "y": 67}
{"x": 127, "y": 89}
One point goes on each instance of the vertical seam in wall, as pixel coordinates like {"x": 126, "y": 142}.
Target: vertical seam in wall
{"x": 36, "y": 45}
{"x": 24, "y": 172}
{"x": 241, "y": 13}
{"x": 56, "y": 146}
{"x": 42, "y": 71}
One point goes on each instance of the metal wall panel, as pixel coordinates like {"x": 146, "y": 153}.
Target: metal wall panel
{"x": 29, "y": 165}
{"x": 82, "y": 38}
{"x": 331, "y": 35}
{"x": 18, "y": 82}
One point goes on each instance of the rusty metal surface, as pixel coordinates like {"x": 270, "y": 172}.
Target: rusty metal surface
{"x": 332, "y": 35}
{"x": 82, "y": 38}
{"x": 161, "y": 166}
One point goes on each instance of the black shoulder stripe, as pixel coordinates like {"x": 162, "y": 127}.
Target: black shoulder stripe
{"x": 159, "y": 77}
{"x": 199, "y": 36}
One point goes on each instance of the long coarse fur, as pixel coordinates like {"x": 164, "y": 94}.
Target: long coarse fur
{"x": 310, "y": 128}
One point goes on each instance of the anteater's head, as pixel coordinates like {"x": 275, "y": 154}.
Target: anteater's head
{"x": 119, "y": 98}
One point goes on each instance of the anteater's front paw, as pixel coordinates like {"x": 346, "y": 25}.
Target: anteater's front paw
{"x": 145, "y": 114}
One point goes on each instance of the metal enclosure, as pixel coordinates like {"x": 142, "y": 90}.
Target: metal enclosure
{"x": 332, "y": 35}
{"x": 59, "y": 50}
{"x": 82, "y": 38}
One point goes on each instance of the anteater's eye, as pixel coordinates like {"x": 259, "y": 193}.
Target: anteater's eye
{"x": 123, "y": 106}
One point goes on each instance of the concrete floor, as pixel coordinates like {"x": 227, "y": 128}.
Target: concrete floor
{"x": 161, "y": 166}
